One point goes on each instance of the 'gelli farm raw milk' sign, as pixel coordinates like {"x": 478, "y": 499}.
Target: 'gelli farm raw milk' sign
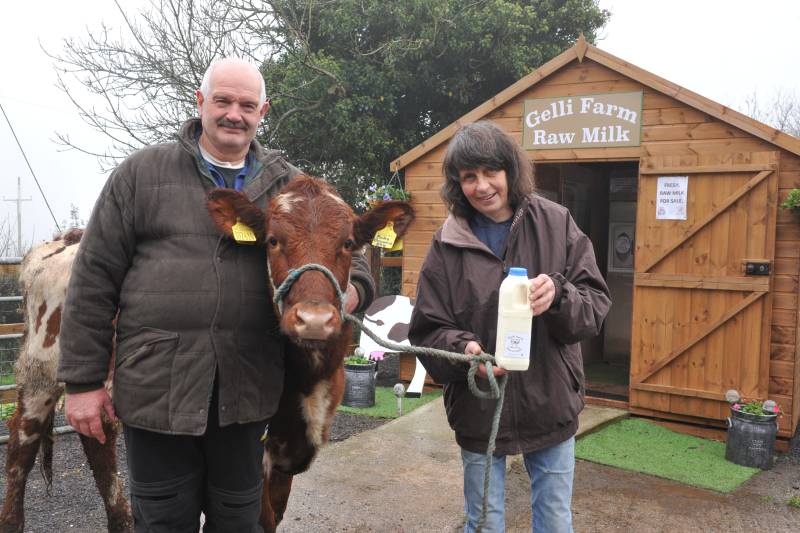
{"x": 588, "y": 121}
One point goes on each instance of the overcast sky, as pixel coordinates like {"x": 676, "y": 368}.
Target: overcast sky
{"x": 722, "y": 49}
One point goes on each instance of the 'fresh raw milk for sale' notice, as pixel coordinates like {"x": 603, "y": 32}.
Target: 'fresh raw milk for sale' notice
{"x": 514, "y": 318}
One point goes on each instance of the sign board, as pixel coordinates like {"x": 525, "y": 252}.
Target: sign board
{"x": 587, "y": 121}
{"x": 671, "y": 197}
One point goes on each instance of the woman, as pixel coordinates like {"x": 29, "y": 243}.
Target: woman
{"x": 496, "y": 222}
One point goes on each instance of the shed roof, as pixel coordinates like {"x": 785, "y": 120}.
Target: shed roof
{"x": 582, "y": 50}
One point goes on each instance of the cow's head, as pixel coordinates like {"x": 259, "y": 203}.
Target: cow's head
{"x": 308, "y": 222}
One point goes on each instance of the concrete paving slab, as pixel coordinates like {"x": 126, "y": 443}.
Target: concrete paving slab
{"x": 402, "y": 476}
{"x": 595, "y": 417}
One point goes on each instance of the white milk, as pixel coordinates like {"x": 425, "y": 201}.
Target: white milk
{"x": 514, "y": 318}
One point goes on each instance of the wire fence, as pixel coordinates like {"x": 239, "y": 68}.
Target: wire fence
{"x": 10, "y": 343}
{"x": 9, "y": 349}
{"x": 10, "y": 335}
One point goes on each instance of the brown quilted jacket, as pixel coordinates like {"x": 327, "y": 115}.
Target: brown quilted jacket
{"x": 456, "y": 302}
{"x": 191, "y": 303}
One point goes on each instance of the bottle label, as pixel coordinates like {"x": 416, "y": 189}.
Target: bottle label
{"x": 516, "y": 344}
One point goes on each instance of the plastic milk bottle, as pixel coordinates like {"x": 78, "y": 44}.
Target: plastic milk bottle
{"x": 514, "y": 318}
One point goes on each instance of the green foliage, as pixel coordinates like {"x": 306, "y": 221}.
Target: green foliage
{"x": 356, "y": 360}
{"x": 794, "y": 501}
{"x": 766, "y": 499}
{"x": 792, "y": 200}
{"x": 7, "y": 410}
{"x": 754, "y": 407}
{"x": 354, "y": 83}
{"x": 375, "y": 194}
{"x": 369, "y": 80}
{"x": 386, "y": 404}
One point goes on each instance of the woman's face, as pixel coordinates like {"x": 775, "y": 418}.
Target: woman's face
{"x": 487, "y": 191}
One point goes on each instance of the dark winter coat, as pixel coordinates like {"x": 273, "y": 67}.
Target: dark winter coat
{"x": 191, "y": 303}
{"x": 457, "y": 297}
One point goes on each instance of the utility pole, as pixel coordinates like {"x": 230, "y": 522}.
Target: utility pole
{"x": 19, "y": 199}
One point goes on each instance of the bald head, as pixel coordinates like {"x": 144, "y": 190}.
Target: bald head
{"x": 231, "y": 102}
{"x": 232, "y": 66}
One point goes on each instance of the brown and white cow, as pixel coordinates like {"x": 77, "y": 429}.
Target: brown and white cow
{"x": 307, "y": 222}
{"x": 44, "y": 276}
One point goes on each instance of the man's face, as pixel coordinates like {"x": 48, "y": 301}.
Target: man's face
{"x": 230, "y": 112}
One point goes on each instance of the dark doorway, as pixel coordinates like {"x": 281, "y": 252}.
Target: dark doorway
{"x": 602, "y": 199}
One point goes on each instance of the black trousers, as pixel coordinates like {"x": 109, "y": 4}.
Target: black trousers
{"x": 173, "y": 478}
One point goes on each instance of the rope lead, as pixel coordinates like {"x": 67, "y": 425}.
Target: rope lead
{"x": 496, "y": 390}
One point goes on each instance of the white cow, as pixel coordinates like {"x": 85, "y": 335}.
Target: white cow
{"x": 388, "y": 317}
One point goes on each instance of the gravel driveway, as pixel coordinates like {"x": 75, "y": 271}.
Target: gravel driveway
{"x": 74, "y": 503}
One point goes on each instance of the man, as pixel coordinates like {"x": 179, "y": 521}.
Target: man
{"x": 199, "y": 368}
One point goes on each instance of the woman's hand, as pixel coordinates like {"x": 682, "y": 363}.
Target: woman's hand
{"x": 541, "y": 294}
{"x": 473, "y": 347}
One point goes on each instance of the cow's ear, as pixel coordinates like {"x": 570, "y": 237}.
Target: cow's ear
{"x": 398, "y": 212}
{"x": 227, "y": 207}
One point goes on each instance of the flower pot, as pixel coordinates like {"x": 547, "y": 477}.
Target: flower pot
{"x": 751, "y": 439}
{"x": 359, "y": 385}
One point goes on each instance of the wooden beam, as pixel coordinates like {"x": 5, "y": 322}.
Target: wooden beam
{"x": 9, "y": 329}
{"x": 580, "y": 47}
{"x": 710, "y": 169}
{"x": 8, "y": 396}
{"x": 677, "y": 281}
{"x": 666, "y": 389}
{"x": 392, "y": 261}
{"x": 660, "y": 363}
{"x": 689, "y": 232}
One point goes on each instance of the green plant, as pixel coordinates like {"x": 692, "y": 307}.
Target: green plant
{"x": 356, "y": 360}
{"x": 766, "y": 499}
{"x": 381, "y": 193}
{"x": 7, "y": 410}
{"x": 756, "y": 407}
{"x": 794, "y": 501}
{"x": 792, "y": 200}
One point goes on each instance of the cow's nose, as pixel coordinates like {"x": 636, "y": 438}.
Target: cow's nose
{"x": 314, "y": 324}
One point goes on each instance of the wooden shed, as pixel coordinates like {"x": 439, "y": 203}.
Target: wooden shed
{"x": 679, "y": 196}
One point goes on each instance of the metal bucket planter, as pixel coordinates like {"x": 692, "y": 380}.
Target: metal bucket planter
{"x": 359, "y": 385}
{"x": 751, "y": 439}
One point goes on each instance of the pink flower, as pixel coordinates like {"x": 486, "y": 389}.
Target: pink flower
{"x": 736, "y": 406}
{"x": 376, "y": 356}
{"x": 777, "y": 409}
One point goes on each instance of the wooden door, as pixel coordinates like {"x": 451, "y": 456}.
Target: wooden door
{"x": 701, "y": 325}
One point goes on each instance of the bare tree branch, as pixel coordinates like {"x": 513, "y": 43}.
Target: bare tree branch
{"x": 781, "y": 110}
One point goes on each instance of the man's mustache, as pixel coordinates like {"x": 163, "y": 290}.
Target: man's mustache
{"x": 225, "y": 123}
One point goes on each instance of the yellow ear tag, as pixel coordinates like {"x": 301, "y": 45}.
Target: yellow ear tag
{"x": 385, "y": 238}
{"x": 242, "y": 233}
{"x": 397, "y": 246}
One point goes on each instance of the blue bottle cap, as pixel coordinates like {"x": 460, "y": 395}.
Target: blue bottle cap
{"x": 518, "y": 271}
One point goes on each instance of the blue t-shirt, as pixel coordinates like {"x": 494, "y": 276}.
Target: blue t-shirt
{"x": 492, "y": 234}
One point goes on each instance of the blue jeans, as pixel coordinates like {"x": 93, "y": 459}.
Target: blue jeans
{"x": 550, "y": 471}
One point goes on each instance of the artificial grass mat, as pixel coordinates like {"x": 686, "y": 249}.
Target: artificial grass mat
{"x": 642, "y": 446}
{"x": 386, "y": 404}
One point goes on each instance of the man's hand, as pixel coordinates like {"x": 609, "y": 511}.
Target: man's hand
{"x": 352, "y": 299}
{"x": 473, "y": 347}
{"x": 541, "y": 294}
{"x": 83, "y": 411}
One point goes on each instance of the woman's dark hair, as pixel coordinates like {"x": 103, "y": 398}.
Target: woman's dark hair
{"x": 484, "y": 144}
